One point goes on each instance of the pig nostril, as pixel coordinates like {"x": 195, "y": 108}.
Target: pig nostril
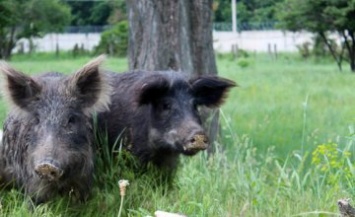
{"x": 48, "y": 171}
{"x": 54, "y": 174}
{"x": 196, "y": 143}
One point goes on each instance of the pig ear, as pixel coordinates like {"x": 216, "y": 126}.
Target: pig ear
{"x": 152, "y": 89}
{"x": 211, "y": 91}
{"x": 92, "y": 86}
{"x": 18, "y": 88}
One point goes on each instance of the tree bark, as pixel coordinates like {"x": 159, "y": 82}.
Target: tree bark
{"x": 173, "y": 35}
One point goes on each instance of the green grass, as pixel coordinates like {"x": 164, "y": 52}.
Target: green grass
{"x": 271, "y": 124}
{"x": 288, "y": 103}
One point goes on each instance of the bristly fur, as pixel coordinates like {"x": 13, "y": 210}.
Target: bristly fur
{"x": 54, "y": 129}
{"x": 92, "y": 71}
{"x": 7, "y": 73}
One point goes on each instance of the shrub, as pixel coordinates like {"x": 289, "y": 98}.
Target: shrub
{"x": 243, "y": 63}
{"x": 114, "y": 41}
{"x": 320, "y": 48}
{"x": 304, "y": 49}
{"x": 242, "y": 53}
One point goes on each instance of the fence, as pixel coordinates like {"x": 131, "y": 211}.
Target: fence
{"x": 85, "y": 29}
{"x": 245, "y": 26}
{"x": 217, "y": 26}
{"x": 87, "y": 37}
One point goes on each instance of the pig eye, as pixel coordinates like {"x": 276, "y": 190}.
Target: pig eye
{"x": 163, "y": 105}
{"x": 72, "y": 119}
{"x": 166, "y": 106}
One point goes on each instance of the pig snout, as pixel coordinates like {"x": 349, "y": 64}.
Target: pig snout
{"x": 196, "y": 142}
{"x": 48, "y": 170}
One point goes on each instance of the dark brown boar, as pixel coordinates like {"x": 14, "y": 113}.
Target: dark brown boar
{"x": 157, "y": 114}
{"x": 47, "y": 146}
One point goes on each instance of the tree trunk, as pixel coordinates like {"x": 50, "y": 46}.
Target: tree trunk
{"x": 331, "y": 49}
{"x": 350, "y": 46}
{"x": 7, "y": 43}
{"x": 352, "y": 51}
{"x": 175, "y": 35}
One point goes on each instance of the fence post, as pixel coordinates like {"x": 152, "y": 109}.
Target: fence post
{"x": 269, "y": 51}
{"x": 235, "y": 50}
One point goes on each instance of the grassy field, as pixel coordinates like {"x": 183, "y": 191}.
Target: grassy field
{"x": 286, "y": 139}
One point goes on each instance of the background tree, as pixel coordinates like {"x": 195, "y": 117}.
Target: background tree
{"x": 118, "y": 13}
{"x": 322, "y": 18}
{"x": 89, "y": 12}
{"x": 28, "y": 19}
{"x": 175, "y": 35}
{"x": 43, "y": 17}
{"x": 99, "y": 13}
{"x": 114, "y": 41}
{"x": 251, "y": 13}
{"x": 7, "y": 29}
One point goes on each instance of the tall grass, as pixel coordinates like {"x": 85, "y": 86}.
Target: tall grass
{"x": 275, "y": 95}
{"x": 285, "y": 150}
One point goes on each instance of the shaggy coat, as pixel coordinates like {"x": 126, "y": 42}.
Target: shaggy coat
{"x": 47, "y": 145}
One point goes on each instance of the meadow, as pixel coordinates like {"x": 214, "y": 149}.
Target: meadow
{"x": 286, "y": 147}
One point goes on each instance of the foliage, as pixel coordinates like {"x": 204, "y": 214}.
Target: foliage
{"x": 243, "y": 62}
{"x": 318, "y": 49}
{"x": 97, "y": 12}
{"x": 5, "y": 12}
{"x": 114, "y": 41}
{"x": 222, "y": 11}
{"x": 322, "y": 17}
{"x": 28, "y": 19}
{"x": 243, "y": 53}
{"x": 304, "y": 49}
{"x": 331, "y": 161}
{"x": 44, "y": 17}
{"x": 119, "y": 12}
{"x": 248, "y": 12}
{"x": 89, "y": 12}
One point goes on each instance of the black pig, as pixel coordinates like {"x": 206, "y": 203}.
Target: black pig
{"x": 47, "y": 145}
{"x": 157, "y": 114}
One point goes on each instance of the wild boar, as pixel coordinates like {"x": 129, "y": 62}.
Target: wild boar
{"x": 47, "y": 145}
{"x": 157, "y": 115}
